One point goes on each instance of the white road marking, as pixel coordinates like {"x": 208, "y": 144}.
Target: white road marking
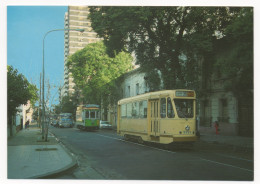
{"x": 234, "y": 157}
{"x": 136, "y": 143}
{"x": 226, "y": 165}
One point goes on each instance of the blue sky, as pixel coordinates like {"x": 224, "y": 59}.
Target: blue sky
{"x": 26, "y": 26}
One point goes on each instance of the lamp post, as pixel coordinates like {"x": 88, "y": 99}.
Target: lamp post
{"x": 44, "y": 124}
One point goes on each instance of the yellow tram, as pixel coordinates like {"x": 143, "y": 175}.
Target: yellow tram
{"x": 164, "y": 117}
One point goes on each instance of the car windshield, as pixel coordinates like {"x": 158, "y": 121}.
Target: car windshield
{"x": 104, "y": 122}
{"x": 184, "y": 108}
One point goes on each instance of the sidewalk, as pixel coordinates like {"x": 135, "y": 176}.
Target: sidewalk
{"x": 238, "y": 143}
{"x": 30, "y": 157}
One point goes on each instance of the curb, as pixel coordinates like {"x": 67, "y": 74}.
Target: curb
{"x": 71, "y": 166}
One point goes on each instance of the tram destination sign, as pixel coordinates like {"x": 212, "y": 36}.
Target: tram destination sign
{"x": 184, "y": 93}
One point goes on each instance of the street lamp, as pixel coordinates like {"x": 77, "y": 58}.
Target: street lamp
{"x": 44, "y": 125}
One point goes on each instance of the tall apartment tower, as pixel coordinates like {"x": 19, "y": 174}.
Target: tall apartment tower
{"x": 75, "y": 18}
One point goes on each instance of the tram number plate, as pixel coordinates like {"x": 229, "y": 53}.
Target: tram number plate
{"x": 186, "y": 132}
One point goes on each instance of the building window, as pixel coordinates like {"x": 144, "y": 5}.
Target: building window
{"x": 128, "y": 90}
{"x": 205, "y": 118}
{"x": 137, "y": 89}
{"x": 223, "y": 114}
{"x": 146, "y": 87}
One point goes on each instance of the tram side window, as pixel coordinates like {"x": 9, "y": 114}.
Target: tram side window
{"x": 163, "y": 107}
{"x": 129, "y": 110}
{"x": 135, "y": 110}
{"x": 170, "y": 112}
{"x": 87, "y": 114}
{"x": 123, "y": 110}
{"x": 143, "y": 109}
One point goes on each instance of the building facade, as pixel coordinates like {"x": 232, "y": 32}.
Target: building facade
{"x": 133, "y": 84}
{"x": 216, "y": 105}
{"x": 24, "y": 113}
{"x": 75, "y": 18}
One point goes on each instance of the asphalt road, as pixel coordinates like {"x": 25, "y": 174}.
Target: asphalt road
{"x": 105, "y": 155}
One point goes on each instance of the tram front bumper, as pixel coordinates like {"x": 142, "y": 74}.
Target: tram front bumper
{"x": 185, "y": 139}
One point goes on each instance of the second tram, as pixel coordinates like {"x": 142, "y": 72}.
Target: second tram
{"x": 88, "y": 117}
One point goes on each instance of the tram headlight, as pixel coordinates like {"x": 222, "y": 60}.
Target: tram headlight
{"x": 180, "y": 132}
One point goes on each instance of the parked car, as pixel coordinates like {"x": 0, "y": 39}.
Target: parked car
{"x": 105, "y": 125}
{"x": 55, "y": 123}
{"x": 65, "y": 122}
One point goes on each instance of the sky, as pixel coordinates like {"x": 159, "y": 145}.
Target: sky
{"x": 26, "y": 27}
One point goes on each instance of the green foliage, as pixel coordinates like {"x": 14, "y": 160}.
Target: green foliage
{"x": 67, "y": 105}
{"x": 235, "y": 58}
{"x": 33, "y": 90}
{"x": 153, "y": 80}
{"x": 19, "y": 91}
{"x": 94, "y": 71}
{"x": 160, "y": 36}
{"x": 57, "y": 109}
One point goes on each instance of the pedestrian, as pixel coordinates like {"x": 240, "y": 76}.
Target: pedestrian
{"x": 27, "y": 124}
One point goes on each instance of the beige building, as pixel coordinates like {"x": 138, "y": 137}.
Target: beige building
{"x": 75, "y": 18}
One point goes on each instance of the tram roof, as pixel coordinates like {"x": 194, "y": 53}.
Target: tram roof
{"x": 156, "y": 95}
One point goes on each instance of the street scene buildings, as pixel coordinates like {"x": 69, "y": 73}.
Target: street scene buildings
{"x": 75, "y": 18}
{"x": 142, "y": 100}
{"x": 217, "y": 104}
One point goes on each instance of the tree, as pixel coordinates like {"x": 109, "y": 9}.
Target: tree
{"x": 19, "y": 91}
{"x": 94, "y": 71}
{"x": 235, "y": 55}
{"x": 33, "y": 90}
{"x": 167, "y": 39}
{"x": 68, "y": 106}
{"x": 235, "y": 61}
{"x": 57, "y": 109}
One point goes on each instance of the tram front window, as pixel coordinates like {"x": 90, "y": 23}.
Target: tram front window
{"x": 184, "y": 108}
{"x": 92, "y": 115}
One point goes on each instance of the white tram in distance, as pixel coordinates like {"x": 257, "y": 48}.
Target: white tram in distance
{"x": 163, "y": 117}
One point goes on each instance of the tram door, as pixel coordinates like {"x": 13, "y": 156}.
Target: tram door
{"x": 154, "y": 117}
